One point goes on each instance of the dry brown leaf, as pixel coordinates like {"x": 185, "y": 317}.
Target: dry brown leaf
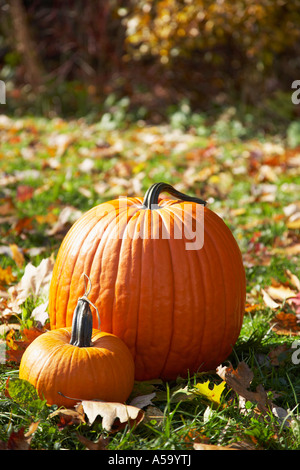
{"x": 200, "y": 446}
{"x": 32, "y": 428}
{"x": 286, "y": 324}
{"x": 69, "y": 416}
{"x": 100, "y": 444}
{"x": 294, "y": 280}
{"x": 153, "y": 413}
{"x": 292, "y": 249}
{"x": 110, "y": 412}
{"x": 40, "y": 313}
{"x": 7, "y": 206}
{"x": 6, "y": 276}
{"x": 5, "y": 328}
{"x": 17, "y": 255}
{"x": 19, "y": 440}
{"x": 142, "y": 400}
{"x": 16, "y": 348}
{"x": 35, "y": 282}
{"x": 252, "y": 307}
{"x": 24, "y": 192}
{"x": 50, "y": 218}
{"x": 269, "y": 301}
{"x": 59, "y": 143}
{"x": 67, "y": 216}
{"x": 280, "y": 293}
{"x": 275, "y": 354}
{"x": 239, "y": 380}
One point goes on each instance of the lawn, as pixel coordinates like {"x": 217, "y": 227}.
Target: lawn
{"x": 52, "y": 171}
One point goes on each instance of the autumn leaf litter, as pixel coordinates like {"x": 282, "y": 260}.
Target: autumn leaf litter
{"x": 126, "y": 165}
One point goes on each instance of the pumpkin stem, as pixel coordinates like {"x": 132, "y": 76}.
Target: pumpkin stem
{"x": 82, "y": 325}
{"x": 85, "y": 297}
{"x": 86, "y": 293}
{"x": 152, "y": 195}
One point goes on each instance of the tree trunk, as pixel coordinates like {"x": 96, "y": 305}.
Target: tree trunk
{"x": 25, "y": 44}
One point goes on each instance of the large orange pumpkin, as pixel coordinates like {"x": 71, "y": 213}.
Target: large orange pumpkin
{"x": 78, "y": 363}
{"x": 176, "y": 304}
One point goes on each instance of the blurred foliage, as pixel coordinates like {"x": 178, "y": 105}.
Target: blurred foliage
{"x": 224, "y": 44}
{"x": 157, "y": 59}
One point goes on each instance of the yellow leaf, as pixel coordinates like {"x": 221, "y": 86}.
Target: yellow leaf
{"x": 213, "y": 394}
{"x": 17, "y": 255}
{"x": 6, "y": 276}
{"x": 294, "y": 224}
{"x": 10, "y": 340}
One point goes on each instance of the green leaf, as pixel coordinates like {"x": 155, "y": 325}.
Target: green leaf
{"x": 24, "y": 393}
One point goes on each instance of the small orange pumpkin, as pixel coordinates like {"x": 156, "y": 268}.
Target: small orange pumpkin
{"x": 78, "y": 363}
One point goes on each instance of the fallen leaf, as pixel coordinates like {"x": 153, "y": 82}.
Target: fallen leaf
{"x": 40, "y": 313}
{"x": 35, "y": 282}
{"x": 110, "y": 412}
{"x": 24, "y": 193}
{"x": 295, "y": 304}
{"x": 281, "y": 414}
{"x": 6, "y": 276}
{"x": 280, "y": 293}
{"x": 291, "y": 249}
{"x": 238, "y": 211}
{"x": 239, "y": 380}
{"x": 67, "y": 417}
{"x": 5, "y": 328}
{"x": 59, "y": 143}
{"x": 200, "y": 446}
{"x": 142, "y": 400}
{"x": 16, "y": 348}
{"x": 87, "y": 165}
{"x": 279, "y": 354}
{"x": 145, "y": 388}
{"x": 195, "y": 435}
{"x": 10, "y": 340}
{"x": 294, "y": 224}
{"x": 212, "y": 394}
{"x": 268, "y": 301}
{"x": 22, "y": 225}
{"x": 292, "y": 213}
{"x": 7, "y": 206}
{"x": 180, "y": 394}
{"x": 17, "y": 441}
{"x": 152, "y": 413}
{"x": 17, "y": 255}
{"x": 285, "y": 324}
{"x": 252, "y": 307}
{"x": 67, "y": 216}
{"x": 100, "y": 444}
{"x": 49, "y": 218}
{"x": 32, "y": 428}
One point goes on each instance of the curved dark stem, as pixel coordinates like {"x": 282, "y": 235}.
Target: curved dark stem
{"x": 82, "y": 325}
{"x": 152, "y": 195}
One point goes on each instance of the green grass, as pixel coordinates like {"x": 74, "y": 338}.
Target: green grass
{"x": 135, "y": 157}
